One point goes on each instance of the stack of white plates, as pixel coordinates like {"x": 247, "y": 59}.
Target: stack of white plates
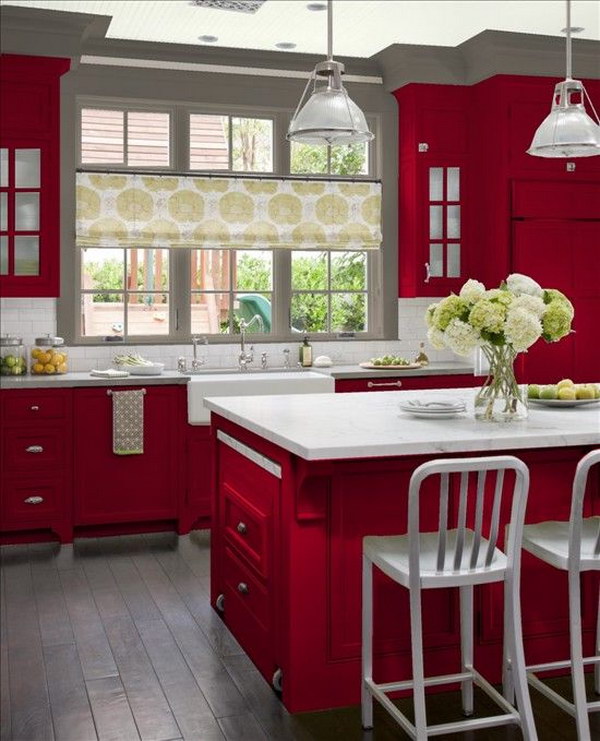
{"x": 436, "y": 409}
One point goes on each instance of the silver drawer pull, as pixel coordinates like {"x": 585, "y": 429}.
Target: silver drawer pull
{"x": 242, "y": 528}
{"x": 243, "y": 588}
{"x": 35, "y": 408}
{"x": 34, "y": 500}
{"x": 388, "y": 384}
{"x": 34, "y": 449}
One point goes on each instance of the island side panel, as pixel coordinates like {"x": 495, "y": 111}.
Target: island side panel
{"x": 311, "y": 596}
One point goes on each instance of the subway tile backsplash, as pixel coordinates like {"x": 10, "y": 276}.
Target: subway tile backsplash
{"x": 33, "y": 317}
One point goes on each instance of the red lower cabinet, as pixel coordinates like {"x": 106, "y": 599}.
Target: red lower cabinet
{"x": 112, "y": 488}
{"x": 196, "y": 510}
{"x": 36, "y": 454}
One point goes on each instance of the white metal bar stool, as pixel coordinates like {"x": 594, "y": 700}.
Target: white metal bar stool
{"x": 461, "y": 556}
{"x": 572, "y": 546}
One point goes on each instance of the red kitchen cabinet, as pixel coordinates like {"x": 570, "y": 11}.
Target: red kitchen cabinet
{"x": 433, "y": 189}
{"x": 196, "y": 510}
{"x": 110, "y": 488}
{"x": 564, "y": 255}
{"x": 36, "y": 463}
{"x": 30, "y": 174}
{"x": 393, "y": 383}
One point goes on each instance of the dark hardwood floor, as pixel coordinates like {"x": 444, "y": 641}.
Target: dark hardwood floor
{"x": 114, "y": 639}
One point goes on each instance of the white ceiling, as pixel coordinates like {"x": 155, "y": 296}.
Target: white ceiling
{"x": 361, "y": 27}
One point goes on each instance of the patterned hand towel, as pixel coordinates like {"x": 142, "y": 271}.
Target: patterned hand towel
{"x": 128, "y": 422}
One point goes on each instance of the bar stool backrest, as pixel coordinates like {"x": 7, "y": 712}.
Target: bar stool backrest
{"x": 576, "y": 518}
{"x": 474, "y": 512}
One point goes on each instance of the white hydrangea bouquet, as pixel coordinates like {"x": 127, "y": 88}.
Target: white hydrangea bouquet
{"x": 502, "y": 322}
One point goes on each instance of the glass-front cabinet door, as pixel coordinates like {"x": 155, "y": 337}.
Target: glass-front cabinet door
{"x": 28, "y": 230}
{"x": 20, "y": 221}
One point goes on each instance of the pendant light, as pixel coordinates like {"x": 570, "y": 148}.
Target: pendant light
{"x": 329, "y": 116}
{"x": 568, "y": 131}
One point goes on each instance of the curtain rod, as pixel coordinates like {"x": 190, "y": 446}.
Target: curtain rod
{"x": 234, "y": 176}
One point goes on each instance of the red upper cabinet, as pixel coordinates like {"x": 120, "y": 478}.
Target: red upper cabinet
{"x": 30, "y": 174}
{"x": 433, "y": 189}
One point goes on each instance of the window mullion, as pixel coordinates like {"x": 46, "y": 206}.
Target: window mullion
{"x": 180, "y": 312}
{"x": 282, "y": 292}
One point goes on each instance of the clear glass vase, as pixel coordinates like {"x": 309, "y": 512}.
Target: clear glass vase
{"x": 501, "y": 399}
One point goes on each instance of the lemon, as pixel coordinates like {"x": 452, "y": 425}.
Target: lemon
{"x": 37, "y": 368}
{"x": 49, "y": 368}
{"x": 57, "y": 358}
{"x": 62, "y": 368}
{"x": 35, "y": 352}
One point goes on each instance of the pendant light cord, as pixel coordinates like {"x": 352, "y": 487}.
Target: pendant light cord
{"x": 569, "y": 54}
{"x": 330, "y": 29}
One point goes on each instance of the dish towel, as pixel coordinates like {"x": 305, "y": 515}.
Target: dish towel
{"x": 128, "y": 422}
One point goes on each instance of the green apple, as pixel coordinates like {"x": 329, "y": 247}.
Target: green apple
{"x": 584, "y": 391}
{"x": 567, "y": 393}
{"x": 10, "y": 361}
{"x": 548, "y": 392}
{"x": 533, "y": 391}
{"x": 564, "y": 382}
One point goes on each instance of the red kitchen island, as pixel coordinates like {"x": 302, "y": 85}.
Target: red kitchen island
{"x": 299, "y": 480}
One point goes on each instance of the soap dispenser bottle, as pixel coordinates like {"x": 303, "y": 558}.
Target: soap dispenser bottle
{"x": 306, "y": 353}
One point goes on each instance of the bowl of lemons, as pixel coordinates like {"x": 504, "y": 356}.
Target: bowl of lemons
{"x": 565, "y": 393}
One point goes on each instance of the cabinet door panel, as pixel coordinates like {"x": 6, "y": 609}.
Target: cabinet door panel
{"x": 111, "y": 488}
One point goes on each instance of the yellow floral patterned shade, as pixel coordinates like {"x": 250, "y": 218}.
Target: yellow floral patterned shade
{"x": 184, "y": 211}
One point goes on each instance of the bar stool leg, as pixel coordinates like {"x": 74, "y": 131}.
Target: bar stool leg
{"x": 367, "y": 642}
{"x": 597, "y": 664}
{"x": 466, "y": 645}
{"x": 418, "y": 670}
{"x": 578, "y": 678}
{"x": 513, "y": 638}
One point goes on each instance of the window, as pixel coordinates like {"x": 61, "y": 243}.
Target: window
{"x": 142, "y": 293}
{"x": 131, "y": 138}
{"x": 230, "y": 143}
{"x": 329, "y": 291}
{"x": 125, "y": 292}
{"x": 307, "y": 159}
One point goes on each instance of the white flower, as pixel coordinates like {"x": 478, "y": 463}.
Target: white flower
{"x": 533, "y": 304}
{"x": 522, "y": 329}
{"x": 436, "y": 338}
{"x": 461, "y": 337}
{"x": 472, "y": 290}
{"x": 519, "y": 284}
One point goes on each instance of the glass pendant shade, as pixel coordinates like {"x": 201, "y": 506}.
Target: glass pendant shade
{"x": 567, "y": 131}
{"x": 329, "y": 116}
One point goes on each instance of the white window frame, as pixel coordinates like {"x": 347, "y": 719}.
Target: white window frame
{"x": 179, "y": 260}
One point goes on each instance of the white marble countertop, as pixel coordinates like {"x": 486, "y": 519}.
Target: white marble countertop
{"x": 71, "y": 380}
{"x": 440, "y": 368}
{"x": 365, "y": 425}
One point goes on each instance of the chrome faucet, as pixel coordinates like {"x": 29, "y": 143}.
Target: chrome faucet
{"x": 196, "y": 361}
{"x": 246, "y": 358}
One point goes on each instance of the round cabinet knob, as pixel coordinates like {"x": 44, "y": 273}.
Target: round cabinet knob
{"x": 34, "y": 449}
{"x": 242, "y": 528}
{"x": 34, "y": 500}
{"x": 35, "y": 408}
{"x": 243, "y": 588}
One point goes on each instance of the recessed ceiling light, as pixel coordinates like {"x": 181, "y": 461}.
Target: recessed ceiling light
{"x": 285, "y": 45}
{"x": 317, "y": 6}
{"x": 208, "y": 39}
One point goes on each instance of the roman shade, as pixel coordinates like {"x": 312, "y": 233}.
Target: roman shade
{"x": 169, "y": 211}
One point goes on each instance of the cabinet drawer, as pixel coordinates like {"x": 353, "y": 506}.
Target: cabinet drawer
{"x": 247, "y": 530}
{"x": 33, "y": 450}
{"x": 393, "y": 383}
{"x": 244, "y": 590}
{"x": 36, "y": 502}
{"x": 249, "y": 481}
{"x": 34, "y": 406}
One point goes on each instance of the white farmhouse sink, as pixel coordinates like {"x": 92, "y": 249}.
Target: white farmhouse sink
{"x": 251, "y": 384}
